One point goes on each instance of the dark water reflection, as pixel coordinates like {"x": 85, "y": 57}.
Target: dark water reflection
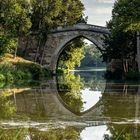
{"x": 79, "y": 106}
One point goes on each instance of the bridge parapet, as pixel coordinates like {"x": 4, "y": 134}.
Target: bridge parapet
{"x": 84, "y": 27}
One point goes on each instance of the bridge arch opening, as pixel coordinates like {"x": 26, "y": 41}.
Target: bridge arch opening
{"x": 82, "y": 44}
{"x": 72, "y": 89}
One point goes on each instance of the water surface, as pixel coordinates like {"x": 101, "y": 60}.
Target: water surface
{"x": 80, "y": 105}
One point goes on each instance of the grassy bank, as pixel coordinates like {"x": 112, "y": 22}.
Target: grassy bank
{"x": 17, "y": 69}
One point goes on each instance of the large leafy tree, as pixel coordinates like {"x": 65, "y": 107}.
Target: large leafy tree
{"x": 47, "y": 14}
{"x": 121, "y": 44}
{"x": 126, "y": 14}
{"x": 14, "y": 21}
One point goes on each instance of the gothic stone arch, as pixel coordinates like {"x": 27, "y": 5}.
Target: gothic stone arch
{"x": 57, "y": 40}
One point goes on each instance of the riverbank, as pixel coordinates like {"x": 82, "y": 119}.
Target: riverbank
{"x": 13, "y": 70}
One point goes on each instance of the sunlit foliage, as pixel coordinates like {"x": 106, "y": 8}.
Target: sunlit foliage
{"x": 69, "y": 90}
{"x": 15, "y": 22}
{"x": 7, "y": 107}
{"x": 24, "y": 18}
{"x": 72, "y": 55}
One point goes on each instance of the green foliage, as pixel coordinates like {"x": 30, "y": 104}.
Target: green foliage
{"x": 126, "y": 13}
{"x": 7, "y": 107}
{"x": 14, "y": 17}
{"x": 46, "y": 14}
{"x": 11, "y": 73}
{"x": 7, "y": 44}
{"x": 15, "y": 22}
{"x": 69, "y": 90}
{"x": 72, "y": 55}
{"x": 79, "y": 54}
{"x": 121, "y": 44}
{"x": 7, "y": 70}
{"x": 92, "y": 57}
{"x": 60, "y": 71}
{"x": 23, "y": 17}
{"x": 34, "y": 70}
{"x": 2, "y": 78}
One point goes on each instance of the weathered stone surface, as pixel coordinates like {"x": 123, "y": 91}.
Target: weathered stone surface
{"x": 62, "y": 35}
{"x": 57, "y": 40}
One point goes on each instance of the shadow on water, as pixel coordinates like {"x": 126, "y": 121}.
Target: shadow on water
{"x": 78, "y": 106}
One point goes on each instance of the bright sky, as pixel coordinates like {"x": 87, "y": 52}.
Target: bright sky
{"x": 98, "y": 11}
{"x": 95, "y": 132}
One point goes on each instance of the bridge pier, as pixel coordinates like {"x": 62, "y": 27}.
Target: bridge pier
{"x": 138, "y": 50}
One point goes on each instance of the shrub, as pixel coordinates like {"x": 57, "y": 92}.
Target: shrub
{"x": 13, "y": 72}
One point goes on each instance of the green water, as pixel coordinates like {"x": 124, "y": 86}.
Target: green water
{"x": 81, "y": 105}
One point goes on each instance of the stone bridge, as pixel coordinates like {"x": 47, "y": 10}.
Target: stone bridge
{"x": 58, "y": 38}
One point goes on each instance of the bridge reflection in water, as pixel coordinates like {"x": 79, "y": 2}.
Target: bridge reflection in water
{"x": 53, "y": 110}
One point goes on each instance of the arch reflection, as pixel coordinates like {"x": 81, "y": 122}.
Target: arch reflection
{"x": 79, "y": 92}
{"x": 40, "y": 113}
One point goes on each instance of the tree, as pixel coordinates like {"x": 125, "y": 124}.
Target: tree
{"x": 121, "y": 44}
{"x": 72, "y": 55}
{"x": 15, "y": 22}
{"x": 48, "y": 14}
{"x": 20, "y": 18}
{"x": 92, "y": 57}
{"x": 126, "y": 13}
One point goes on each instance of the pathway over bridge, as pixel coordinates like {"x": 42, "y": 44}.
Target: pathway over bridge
{"x": 58, "y": 38}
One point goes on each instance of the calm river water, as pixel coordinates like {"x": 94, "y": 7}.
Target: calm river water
{"x": 81, "y": 105}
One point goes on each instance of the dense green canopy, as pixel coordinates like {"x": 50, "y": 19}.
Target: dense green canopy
{"x": 23, "y": 17}
{"x": 51, "y": 13}
{"x": 14, "y": 22}
{"x": 126, "y": 14}
{"x": 121, "y": 44}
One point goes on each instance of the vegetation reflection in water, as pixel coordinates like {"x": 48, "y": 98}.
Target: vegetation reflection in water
{"x": 80, "y": 92}
{"x": 38, "y": 113}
